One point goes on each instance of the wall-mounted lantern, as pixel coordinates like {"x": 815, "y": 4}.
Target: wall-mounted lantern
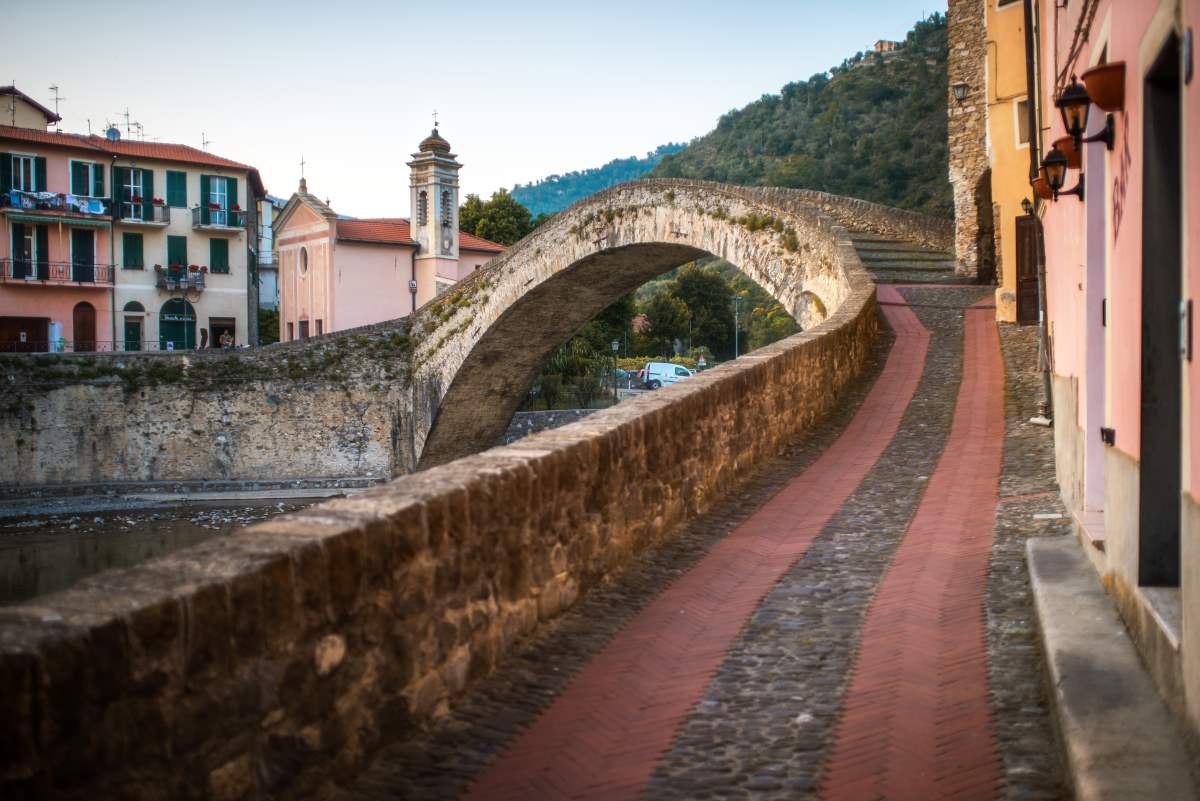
{"x": 1026, "y": 206}
{"x": 1074, "y": 103}
{"x": 1055, "y": 169}
{"x": 960, "y": 92}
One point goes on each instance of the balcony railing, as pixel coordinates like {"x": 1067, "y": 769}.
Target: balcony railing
{"x": 138, "y": 213}
{"x": 178, "y": 278}
{"x": 56, "y": 202}
{"x": 205, "y": 217}
{"x": 55, "y": 272}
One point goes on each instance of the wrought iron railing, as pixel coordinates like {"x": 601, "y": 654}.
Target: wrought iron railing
{"x": 218, "y": 218}
{"x": 173, "y": 279}
{"x": 105, "y": 346}
{"x": 56, "y": 201}
{"x": 139, "y": 212}
{"x": 55, "y": 272}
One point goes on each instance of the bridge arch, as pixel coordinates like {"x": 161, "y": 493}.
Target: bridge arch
{"x": 480, "y": 346}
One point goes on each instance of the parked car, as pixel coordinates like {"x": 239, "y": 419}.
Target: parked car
{"x": 656, "y": 374}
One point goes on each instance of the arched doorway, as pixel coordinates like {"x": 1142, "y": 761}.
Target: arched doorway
{"x": 134, "y": 314}
{"x": 177, "y": 325}
{"x": 84, "y": 325}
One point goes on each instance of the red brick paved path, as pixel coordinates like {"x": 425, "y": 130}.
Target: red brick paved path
{"x": 916, "y": 718}
{"x": 603, "y": 736}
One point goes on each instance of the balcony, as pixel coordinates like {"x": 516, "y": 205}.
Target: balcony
{"x": 140, "y": 215}
{"x": 219, "y": 220}
{"x": 50, "y": 204}
{"x": 177, "y": 278}
{"x": 55, "y": 273}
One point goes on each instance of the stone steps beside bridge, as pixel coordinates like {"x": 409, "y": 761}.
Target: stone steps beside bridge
{"x": 896, "y": 261}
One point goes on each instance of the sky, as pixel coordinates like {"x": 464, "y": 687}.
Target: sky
{"x": 522, "y": 89}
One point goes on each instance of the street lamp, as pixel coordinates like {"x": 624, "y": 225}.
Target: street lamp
{"x": 1055, "y": 165}
{"x": 616, "y": 343}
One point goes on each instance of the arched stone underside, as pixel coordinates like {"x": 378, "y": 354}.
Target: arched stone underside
{"x": 480, "y": 346}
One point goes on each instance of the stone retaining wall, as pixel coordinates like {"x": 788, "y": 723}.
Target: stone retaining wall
{"x": 276, "y": 660}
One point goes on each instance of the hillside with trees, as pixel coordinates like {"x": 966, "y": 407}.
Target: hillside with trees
{"x": 872, "y": 128}
{"x": 554, "y": 193}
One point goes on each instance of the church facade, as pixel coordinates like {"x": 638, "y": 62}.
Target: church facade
{"x": 338, "y": 272}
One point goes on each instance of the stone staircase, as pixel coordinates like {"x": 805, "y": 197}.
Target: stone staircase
{"x": 895, "y": 261}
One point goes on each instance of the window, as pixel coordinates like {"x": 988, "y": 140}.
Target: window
{"x": 447, "y": 209}
{"x": 218, "y": 197}
{"x": 304, "y": 329}
{"x": 177, "y": 251}
{"x": 131, "y": 193}
{"x": 133, "y": 307}
{"x": 1021, "y": 121}
{"x": 131, "y": 250}
{"x": 218, "y": 255}
{"x": 320, "y": 328}
{"x": 87, "y": 179}
{"x": 30, "y": 251}
{"x": 291, "y": 333}
{"x": 177, "y": 189}
{"x": 303, "y": 261}
{"x": 682, "y": 371}
{"x": 22, "y": 173}
{"x": 1003, "y": 3}
{"x": 422, "y": 208}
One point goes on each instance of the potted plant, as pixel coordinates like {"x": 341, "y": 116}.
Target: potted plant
{"x": 214, "y": 206}
{"x": 158, "y": 268}
{"x": 236, "y": 207}
{"x": 158, "y": 201}
{"x": 203, "y": 268}
{"x": 135, "y": 199}
{"x": 1067, "y": 145}
{"x": 193, "y": 268}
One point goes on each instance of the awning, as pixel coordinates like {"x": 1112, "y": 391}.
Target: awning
{"x": 44, "y": 219}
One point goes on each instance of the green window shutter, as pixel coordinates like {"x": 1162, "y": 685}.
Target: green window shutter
{"x": 131, "y": 247}
{"x": 119, "y": 193}
{"x": 147, "y": 194}
{"x": 204, "y": 216}
{"x": 177, "y": 189}
{"x": 5, "y": 172}
{"x": 79, "y": 178}
{"x": 39, "y": 173}
{"x": 98, "y": 180}
{"x": 231, "y": 193}
{"x": 43, "y": 251}
{"x": 218, "y": 255}
{"x": 176, "y": 250}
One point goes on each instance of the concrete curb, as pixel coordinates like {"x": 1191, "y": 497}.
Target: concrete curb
{"x": 1120, "y": 740}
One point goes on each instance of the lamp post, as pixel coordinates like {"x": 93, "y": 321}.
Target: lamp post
{"x": 616, "y": 343}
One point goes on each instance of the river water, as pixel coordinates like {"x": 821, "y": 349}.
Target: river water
{"x": 49, "y": 551}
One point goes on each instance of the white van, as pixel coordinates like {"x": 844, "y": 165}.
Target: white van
{"x": 656, "y": 374}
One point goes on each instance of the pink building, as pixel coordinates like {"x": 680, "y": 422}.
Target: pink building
{"x": 337, "y": 272}
{"x": 1122, "y": 264}
{"x": 111, "y": 243}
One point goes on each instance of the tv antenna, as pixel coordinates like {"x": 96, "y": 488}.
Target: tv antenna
{"x": 204, "y": 141}
{"x": 57, "y": 99}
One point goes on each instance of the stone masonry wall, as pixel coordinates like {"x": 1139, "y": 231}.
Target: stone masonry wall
{"x": 970, "y": 173}
{"x": 334, "y": 407}
{"x": 267, "y": 663}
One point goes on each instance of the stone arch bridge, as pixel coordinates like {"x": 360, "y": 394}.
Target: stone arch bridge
{"x": 481, "y": 345}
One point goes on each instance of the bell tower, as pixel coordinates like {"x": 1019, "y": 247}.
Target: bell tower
{"x": 434, "y": 185}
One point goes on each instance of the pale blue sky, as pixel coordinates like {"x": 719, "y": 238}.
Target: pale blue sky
{"x": 523, "y": 89}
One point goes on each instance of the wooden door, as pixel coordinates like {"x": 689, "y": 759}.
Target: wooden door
{"x": 84, "y": 322}
{"x": 1029, "y": 255}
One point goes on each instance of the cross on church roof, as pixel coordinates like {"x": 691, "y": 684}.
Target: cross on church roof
{"x": 302, "y": 166}
{"x": 435, "y": 118}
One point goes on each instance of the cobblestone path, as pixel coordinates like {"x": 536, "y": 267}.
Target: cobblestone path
{"x": 853, "y": 623}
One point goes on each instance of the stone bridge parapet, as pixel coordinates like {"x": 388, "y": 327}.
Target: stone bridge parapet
{"x": 269, "y": 662}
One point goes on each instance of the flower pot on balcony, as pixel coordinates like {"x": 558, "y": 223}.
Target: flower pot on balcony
{"x": 1067, "y": 145}
{"x": 1106, "y": 85}
{"x": 1041, "y": 186}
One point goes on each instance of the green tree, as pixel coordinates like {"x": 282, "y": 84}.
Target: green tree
{"x": 669, "y": 317}
{"x": 268, "y": 326}
{"x": 503, "y": 220}
{"x": 769, "y": 323}
{"x": 470, "y": 213}
{"x": 707, "y": 296}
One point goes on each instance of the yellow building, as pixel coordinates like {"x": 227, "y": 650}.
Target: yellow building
{"x": 1008, "y": 152}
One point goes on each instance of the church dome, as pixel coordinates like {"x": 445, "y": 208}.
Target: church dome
{"x": 434, "y": 143}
